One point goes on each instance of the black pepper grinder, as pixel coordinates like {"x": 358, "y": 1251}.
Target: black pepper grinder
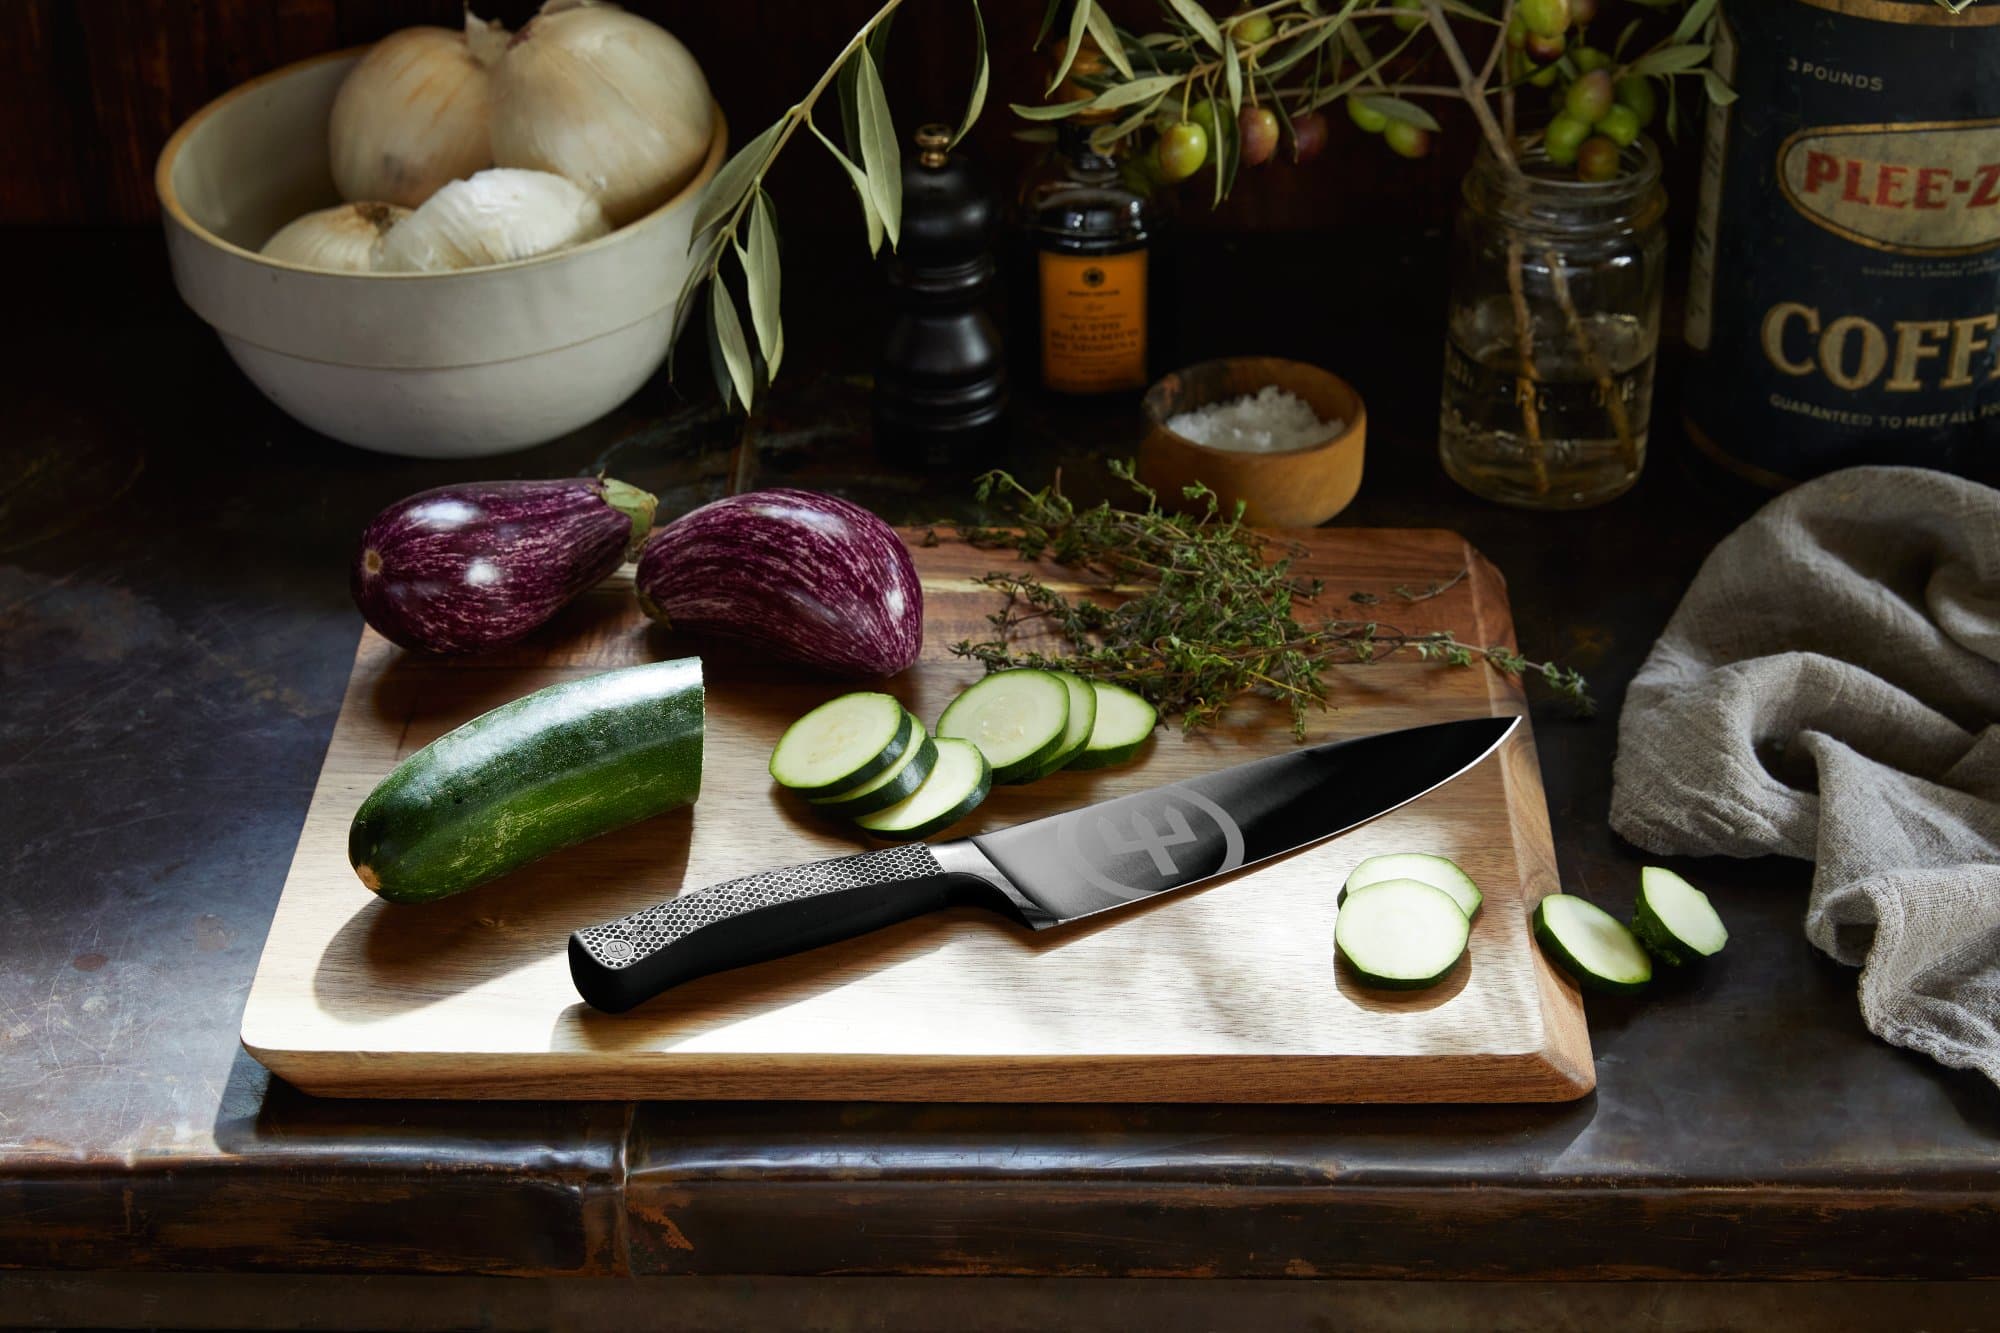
{"x": 941, "y": 384}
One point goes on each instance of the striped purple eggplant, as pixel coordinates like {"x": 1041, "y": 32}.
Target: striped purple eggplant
{"x": 462, "y": 569}
{"x": 815, "y": 578}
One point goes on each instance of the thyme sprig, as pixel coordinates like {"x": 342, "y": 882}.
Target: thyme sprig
{"x": 1193, "y": 610}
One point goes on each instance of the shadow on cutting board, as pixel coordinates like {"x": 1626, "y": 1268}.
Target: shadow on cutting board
{"x": 413, "y": 955}
{"x": 724, "y": 998}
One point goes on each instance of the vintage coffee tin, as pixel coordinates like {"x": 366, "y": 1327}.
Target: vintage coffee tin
{"x": 1844, "y": 302}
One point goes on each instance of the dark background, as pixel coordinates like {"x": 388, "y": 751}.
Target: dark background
{"x": 90, "y": 90}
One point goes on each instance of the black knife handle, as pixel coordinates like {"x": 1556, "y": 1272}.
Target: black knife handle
{"x": 766, "y": 915}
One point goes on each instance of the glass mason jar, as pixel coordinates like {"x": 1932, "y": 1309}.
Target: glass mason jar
{"x": 1553, "y": 326}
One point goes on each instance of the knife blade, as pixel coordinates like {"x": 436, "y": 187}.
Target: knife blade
{"x": 1045, "y": 872}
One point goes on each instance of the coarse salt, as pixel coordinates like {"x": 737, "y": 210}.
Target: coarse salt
{"x": 1268, "y": 421}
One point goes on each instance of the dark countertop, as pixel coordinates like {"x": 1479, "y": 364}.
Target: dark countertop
{"x": 174, "y": 635}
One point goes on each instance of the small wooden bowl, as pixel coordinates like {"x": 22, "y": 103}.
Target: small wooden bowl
{"x": 1294, "y": 488}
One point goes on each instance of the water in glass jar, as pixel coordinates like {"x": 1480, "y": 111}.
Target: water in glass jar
{"x": 1568, "y": 433}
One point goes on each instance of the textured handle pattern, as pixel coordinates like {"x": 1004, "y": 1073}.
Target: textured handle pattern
{"x": 632, "y": 939}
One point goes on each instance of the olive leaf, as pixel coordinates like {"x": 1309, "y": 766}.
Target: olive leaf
{"x": 1232, "y": 79}
{"x": 1197, "y": 18}
{"x": 1125, "y": 94}
{"x": 729, "y": 337}
{"x": 859, "y": 180}
{"x": 698, "y": 272}
{"x": 1101, "y": 28}
{"x": 735, "y": 180}
{"x": 975, "y": 102}
{"x": 881, "y": 154}
{"x": 1079, "y": 19}
{"x": 1050, "y": 110}
{"x": 847, "y": 89}
{"x": 1049, "y": 12}
{"x": 1719, "y": 91}
{"x": 1693, "y": 21}
{"x": 1670, "y": 59}
{"x": 761, "y": 281}
{"x": 1395, "y": 108}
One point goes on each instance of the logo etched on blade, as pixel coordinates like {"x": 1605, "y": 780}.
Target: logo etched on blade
{"x": 1152, "y": 841}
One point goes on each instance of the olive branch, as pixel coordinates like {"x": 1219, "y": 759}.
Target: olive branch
{"x": 1295, "y": 57}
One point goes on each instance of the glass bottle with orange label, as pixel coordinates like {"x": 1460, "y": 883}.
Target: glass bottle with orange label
{"x": 1088, "y": 285}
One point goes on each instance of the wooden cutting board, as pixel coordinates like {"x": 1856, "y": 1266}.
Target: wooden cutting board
{"x": 1225, "y": 992}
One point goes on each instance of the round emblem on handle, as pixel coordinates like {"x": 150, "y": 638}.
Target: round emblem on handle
{"x": 615, "y": 949}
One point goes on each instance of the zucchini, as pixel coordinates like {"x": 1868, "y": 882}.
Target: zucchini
{"x": 1435, "y": 871}
{"x": 1401, "y": 934}
{"x": 549, "y": 769}
{"x": 1016, "y": 718}
{"x": 1076, "y": 735}
{"x": 1590, "y": 944}
{"x": 842, "y": 743}
{"x": 1124, "y": 723}
{"x": 958, "y": 782}
{"x": 900, "y": 779}
{"x": 1675, "y": 920}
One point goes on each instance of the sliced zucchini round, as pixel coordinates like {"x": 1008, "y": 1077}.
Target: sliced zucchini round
{"x": 1675, "y": 920}
{"x": 959, "y": 781}
{"x": 889, "y": 786}
{"x": 1435, "y": 871}
{"x": 1125, "y": 722}
{"x": 1590, "y": 944}
{"x": 1016, "y": 718}
{"x": 1082, "y": 718}
{"x": 842, "y": 744}
{"x": 1401, "y": 934}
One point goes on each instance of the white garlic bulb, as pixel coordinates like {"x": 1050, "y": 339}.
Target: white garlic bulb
{"x": 413, "y": 113}
{"x": 493, "y": 217}
{"x": 606, "y": 98}
{"x": 346, "y": 238}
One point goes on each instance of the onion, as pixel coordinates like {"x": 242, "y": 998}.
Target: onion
{"x": 413, "y": 113}
{"x": 496, "y": 217}
{"x": 812, "y": 577}
{"x": 606, "y": 98}
{"x": 346, "y": 238}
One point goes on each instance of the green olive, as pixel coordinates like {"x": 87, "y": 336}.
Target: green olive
{"x": 1588, "y": 58}
{"x": 1367, "y": 117}
{"x": 1253, "y": 29}
{"x": 1563, "y": 137}
{"x": 1545, "y": 18}
{"x": 1620, "y": 125}
{"x": 1546, "y": 50}
{"x": 1581, "y": 12}
{"x": 1183, "y": 148}
{"x": 1597, "y": 159}
{"x": 1213, "y": 117}
{"x": 1636, "y": 91}
{"x": 1589, "y": 97}
{"x": 1412, "y": 15}
{"x": 1407, "y": 140}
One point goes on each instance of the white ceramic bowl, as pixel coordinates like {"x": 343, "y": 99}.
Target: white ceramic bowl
{"x": 430, "y": 365}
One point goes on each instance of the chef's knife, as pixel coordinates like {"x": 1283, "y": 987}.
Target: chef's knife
{"x": 1046, "y": 872}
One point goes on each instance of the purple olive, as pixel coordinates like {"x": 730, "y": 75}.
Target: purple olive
{"x": 1257, "y": 135}
{"x": 1308, "y": 136}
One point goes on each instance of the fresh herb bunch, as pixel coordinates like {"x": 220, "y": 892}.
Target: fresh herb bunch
{"x": 1198, "y": 611}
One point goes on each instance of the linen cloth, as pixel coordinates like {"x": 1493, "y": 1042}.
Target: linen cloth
{"x": 1830, "y": 689}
